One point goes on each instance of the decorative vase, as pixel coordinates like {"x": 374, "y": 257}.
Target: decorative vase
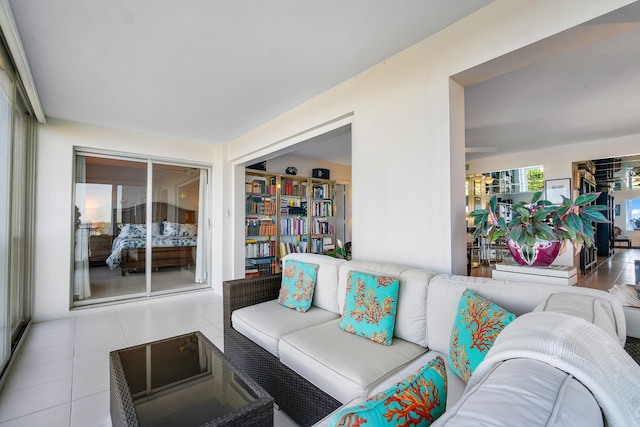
{"x": 541, "y": 254}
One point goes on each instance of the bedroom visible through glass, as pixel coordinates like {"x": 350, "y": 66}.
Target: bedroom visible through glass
{"x": 175, "y": 223}
{"x": 124, "y": 229}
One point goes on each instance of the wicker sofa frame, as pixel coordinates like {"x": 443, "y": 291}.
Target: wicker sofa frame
{"x": 298, "y": 398}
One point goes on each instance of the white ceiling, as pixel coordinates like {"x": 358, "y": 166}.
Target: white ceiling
{"x": 212, "y": 70}
{"x": 587, "y": 92}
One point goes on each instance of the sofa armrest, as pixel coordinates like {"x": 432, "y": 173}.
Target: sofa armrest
{"x": 249, "y": 291}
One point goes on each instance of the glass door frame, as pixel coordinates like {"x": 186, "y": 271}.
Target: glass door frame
{"x": 149, "y": 161}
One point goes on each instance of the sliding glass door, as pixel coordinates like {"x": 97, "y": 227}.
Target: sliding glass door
{"x": 6, "y": 107}
{"x": 177, "y": 248}
{"x": 136, "y": 231}
{"x": 16, "y": 213}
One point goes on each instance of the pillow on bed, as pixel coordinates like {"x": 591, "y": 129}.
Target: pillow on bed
{"x": 170, "y": 228}
{"x": 133, "y": 231}
{"x": 156, "y": 229}
{"x": 188, "y": 230}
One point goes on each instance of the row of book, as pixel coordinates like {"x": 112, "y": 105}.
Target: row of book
{"x": 322, "y": 244}
{"x": 292, "y": 202}
{"x": 259, "y": 227}
{"x": 261, "y": 266}
{"x": 321, "y": 191}
{"x": 321, "y": 226}
{"x": 293, "y": 226}
{"x": 260, "y": 186}
{"x": 323, "y": 208}
{"x": 290, "y": 187}
{"x": 260, "y": 206}
{"x": 289, "y": 248}
{"x": 257, "y": 249}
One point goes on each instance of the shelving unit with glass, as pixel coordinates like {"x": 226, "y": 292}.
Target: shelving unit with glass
{"x": 293, "y": 214}
{"x": 286, "y": 214}
{"x": 322, "y": 208}
{"x": 261, "y": 204}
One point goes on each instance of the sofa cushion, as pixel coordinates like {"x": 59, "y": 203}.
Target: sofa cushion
{"x": 417, "y": 400}
{"x": 343, "y": 365}
{"x": 477, "y": 325}
{"x": 325, "y": 295}
{"x": 411, "y": 315}
{"x": 529, "y": 391}
{"x": 517, "y": 297}
{"x": 455, "y": 385}
{"x": 370, "y": 306}
{"x": 266, "y": 322}
{"x": 298, "y": 283}
{"x": 589, "y": 308}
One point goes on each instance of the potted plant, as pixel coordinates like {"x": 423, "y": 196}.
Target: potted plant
{"x": 539, "y": 229}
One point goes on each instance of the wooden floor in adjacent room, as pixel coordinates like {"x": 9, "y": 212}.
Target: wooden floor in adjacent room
{"x": 617, "y": 269}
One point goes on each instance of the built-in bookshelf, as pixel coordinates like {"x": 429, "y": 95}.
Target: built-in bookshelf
{"x": 322, "y": 216}
{"x": 286, "y": 214}
{"x": 261, "y": 207}
{"x": 294, "y": 201}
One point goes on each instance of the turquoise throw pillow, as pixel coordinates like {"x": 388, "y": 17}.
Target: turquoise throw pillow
{"x": 417, "y": 401}
{"x": 370, "y": 306}
{"x": 298, "y": 284}
{"x": 477, "y": 325}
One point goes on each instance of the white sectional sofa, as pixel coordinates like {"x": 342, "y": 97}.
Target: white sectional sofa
{"x": 312, "y": 367}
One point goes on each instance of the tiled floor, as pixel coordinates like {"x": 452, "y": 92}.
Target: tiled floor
{"x": 61, "y": 375}
{"x": 618, "y": 269}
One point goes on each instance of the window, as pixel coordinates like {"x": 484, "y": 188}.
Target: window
{"x": 16, "y": 211}
{"x": 632, "y": 214}
{"x": 139, "y": 228}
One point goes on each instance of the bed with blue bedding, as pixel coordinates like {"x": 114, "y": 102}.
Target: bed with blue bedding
{"x": 173, "y": 245}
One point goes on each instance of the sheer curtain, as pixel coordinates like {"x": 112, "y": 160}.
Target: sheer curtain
{"x": 201, "y": 271}
{"x": 81, "y": 282}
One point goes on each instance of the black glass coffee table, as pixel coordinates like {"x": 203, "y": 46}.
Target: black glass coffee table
{"x": 183, "y": 381}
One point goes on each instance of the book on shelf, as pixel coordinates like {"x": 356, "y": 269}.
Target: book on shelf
{"x": 259, "y": 261}
{"x": 251, "y": 271}
{"x": 322, "y": 208}
{"x": 320, "y": 191}
{"x": 327, "y": 244}
{"x": 321, "y": 226}
{"x": 258, "y": 249}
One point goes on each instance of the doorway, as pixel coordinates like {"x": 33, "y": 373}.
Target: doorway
{"x": 136, "y": 228}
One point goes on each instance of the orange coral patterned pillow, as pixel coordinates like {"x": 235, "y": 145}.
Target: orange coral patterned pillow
{"x": 298, "y": 284}
{"x": 370, "y": 306}
{"x": 477, "y": 325}
{"x": 417, "y": 401}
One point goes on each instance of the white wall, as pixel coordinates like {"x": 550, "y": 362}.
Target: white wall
{"x": 54, "y": 207}
{"x": 339, "y": 173}
{"x": 405, "y": 172}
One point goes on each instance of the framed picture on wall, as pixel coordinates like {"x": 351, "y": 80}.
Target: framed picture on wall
{"x": 555, "y": 189}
